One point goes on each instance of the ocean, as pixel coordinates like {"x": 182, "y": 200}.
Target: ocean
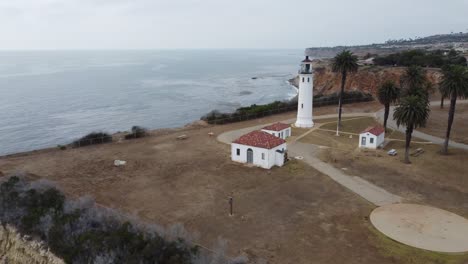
{"x": 49, "y": 98}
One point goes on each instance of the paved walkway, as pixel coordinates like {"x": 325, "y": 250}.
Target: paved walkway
{"x": 437, "y": 140}
{"x": 228, "y": 137}
{"x": 423, "y": 227}
{"x": 365, "y": 189}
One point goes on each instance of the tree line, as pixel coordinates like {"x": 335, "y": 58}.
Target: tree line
{"x": 411, "y": 95}
{"x": 423, "y": 58}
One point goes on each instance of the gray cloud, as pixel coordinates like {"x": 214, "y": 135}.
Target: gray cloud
{"x": 134, "y": 24}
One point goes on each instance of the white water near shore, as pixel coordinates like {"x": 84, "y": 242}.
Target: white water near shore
{"x": 53, "y": 97}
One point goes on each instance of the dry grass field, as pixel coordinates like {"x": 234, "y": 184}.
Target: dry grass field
{"x": 292, "y": 214}
{"x": 432, "y": 178}
{"x": 437, "y": 123}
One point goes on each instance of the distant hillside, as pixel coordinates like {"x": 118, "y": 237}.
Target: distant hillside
{"x": 457, "y": 41}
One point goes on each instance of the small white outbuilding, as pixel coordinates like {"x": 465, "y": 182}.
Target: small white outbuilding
{"x": 260, "y": 149}
{"x": 279, "y": 130}
{"x": 372, "y": 137}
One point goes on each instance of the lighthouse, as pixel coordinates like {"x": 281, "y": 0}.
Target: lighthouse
{"x": 306, "y": 94}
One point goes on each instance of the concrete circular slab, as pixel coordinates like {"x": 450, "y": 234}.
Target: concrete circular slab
{"x": 422, "y": 227}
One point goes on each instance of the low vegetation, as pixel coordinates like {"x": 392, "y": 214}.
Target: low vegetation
{"x": 256, "y": 111}
{"x": 78, "y": 231}
{"x": 137, "y": 132}
{"x": 436, "y": 59}
{"x": 92, "y": 139}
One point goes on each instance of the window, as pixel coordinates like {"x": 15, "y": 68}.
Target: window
{"x": 371, "y": 140}
{"x": 302, "y": 79}
{"x": 263, "y": 156}
{"x": 238, "y": 152}
{"x": 308, "y": 79}
{"x": 302, "y": 105}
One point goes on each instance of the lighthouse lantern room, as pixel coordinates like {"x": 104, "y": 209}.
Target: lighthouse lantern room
{"x": 306, "y": 94}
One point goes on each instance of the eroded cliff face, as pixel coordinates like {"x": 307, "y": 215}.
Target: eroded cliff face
{"x": 15, "y": 248}
{"x": 367, "y": 79}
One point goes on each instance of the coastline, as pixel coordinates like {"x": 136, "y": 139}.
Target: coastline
{"x": 81, "y": 92}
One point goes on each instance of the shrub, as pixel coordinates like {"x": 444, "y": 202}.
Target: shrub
{"x": 78, "y": 231}
{"x": 61, "y": 147}
{"x": 92, "y": 139}
{"x": 137, "y": 132}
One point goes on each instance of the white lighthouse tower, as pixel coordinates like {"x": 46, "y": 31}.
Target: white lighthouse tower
{"x": 306, "y": 94}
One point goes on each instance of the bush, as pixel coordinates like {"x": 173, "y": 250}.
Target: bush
{"x": 92, "y": 139}
{"x": 61, "y": 147}
{"x": 137, "y": 132}
{"x": 80, "y": 232}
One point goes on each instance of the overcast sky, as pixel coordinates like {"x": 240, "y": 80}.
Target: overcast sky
{"x": 155, "y": 24}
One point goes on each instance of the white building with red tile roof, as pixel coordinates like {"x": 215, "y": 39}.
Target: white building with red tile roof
{"x": 280, "y": 130}
{"x": 260, "y": 149}
{"x": 372, "y": 137}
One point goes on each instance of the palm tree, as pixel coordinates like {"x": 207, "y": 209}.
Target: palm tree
{"x": 412, "y": 112}
{"x": 413, "y": 77}
{"x": 344, "y": 62}
{"x": 387, "y": 94}
{"x": 454, "y": 85}
{"x": 442, "y": 98}
{"x": 414, "y": 82}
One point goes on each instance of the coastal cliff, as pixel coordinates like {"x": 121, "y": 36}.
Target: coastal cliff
{"x": 367, "y": 79}
{"x": 16, "y": 248}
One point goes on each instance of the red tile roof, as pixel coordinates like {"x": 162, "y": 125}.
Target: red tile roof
{"x": 375, "y": 130}
{"x": 276, "y": 127}
{"x": 260, "y": 139}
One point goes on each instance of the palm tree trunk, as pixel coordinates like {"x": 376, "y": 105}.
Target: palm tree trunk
{"x": 387, "y": 112}
{"x": 442, "y": 102}
{"x": 453, "y": 102}
{"x": 340, "y": 101}
{"x": 409, "y": 132}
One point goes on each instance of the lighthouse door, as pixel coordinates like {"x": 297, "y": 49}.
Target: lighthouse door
{"x": 249, "y": 156}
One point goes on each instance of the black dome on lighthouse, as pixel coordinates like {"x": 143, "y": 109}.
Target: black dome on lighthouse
{"x": 307, "y": 59}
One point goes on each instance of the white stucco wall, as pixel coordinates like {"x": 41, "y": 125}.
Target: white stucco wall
{"x": 305, "y": 100}
{"x": 286, "y": 133}
{"x": 378, "y": 140}
{"x": 271, "y": 156}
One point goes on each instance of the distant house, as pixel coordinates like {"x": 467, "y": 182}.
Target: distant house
{"x": 366, "y": 62}
{"x": 372, "y": 137}
{"x": 260, "y": 149}
{"x": 279, "y": 130}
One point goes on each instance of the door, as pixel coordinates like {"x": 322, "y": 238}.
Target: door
{"x": 249, "y": 156}
{"x": 363, "y": 141}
